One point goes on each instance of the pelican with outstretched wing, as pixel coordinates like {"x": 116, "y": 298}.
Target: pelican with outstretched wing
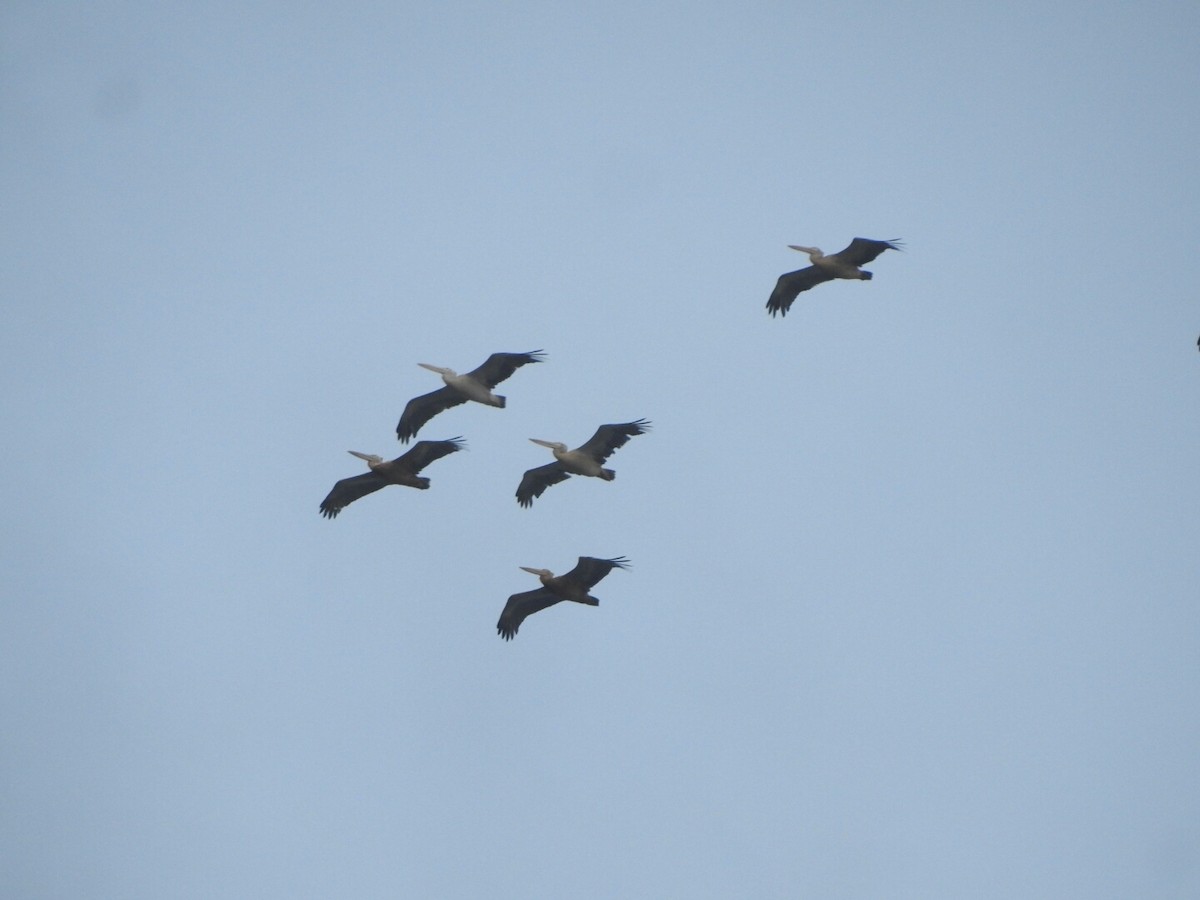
{"x": 587, "y": 459}
{"x": 843, "y": 264}
{"x": 474, "y": 385}
{"x": 574, "y": 586}
{"x": 402, "y": 470}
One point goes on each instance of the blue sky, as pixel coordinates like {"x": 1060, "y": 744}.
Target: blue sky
{"x": 913, "y": 605}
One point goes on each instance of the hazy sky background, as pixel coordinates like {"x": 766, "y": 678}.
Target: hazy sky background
{"x": 913, "y": 608}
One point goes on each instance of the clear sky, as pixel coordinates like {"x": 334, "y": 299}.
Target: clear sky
{"x": 913, "y": 607}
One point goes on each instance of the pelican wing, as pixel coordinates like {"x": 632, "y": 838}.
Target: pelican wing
{"x": 519, "y": 607}
{"x": 425, "y": 452}
{"x": 791, "y": 284}
{"x": 864, "y": 250}
{"x": 590, "y": 570}
{"x": 499, "y": 366}
{"x": 348, "y": 490}
{"x": 420, "y": 410}
{"x": 609, "y": 438}
{"x": 535, "y": 482}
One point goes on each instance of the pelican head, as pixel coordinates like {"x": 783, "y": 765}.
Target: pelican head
{"x": 540, "y": 573}
{"x": 370, "y": 458}
{"x": 441, "y": 370}
{"x": 553, "y": 445}
{"x": 811, "y": 251}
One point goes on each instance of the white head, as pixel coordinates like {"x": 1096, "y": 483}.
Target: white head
{"x": 811, "y": 251}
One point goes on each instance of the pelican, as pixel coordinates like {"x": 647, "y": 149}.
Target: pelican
{"x": 844, "y": 264}
{"x": 475, "y": 385}
{"x": 572, "y": 586}
{"x": 584, "y": 460}
{"x": 401, "y": 470}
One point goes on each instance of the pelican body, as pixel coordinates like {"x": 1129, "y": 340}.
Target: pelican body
{"x": 479, "y": 391}
{"x": 402, "y": 471}
{"x": 587, "y": 459}
{"x": 474, "y": 385}
{"x": 574, "y": 586}
{"x": 846, "y": 264}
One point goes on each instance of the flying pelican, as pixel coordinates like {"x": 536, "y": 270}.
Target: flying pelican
{"x": 572, "y": 586}
{"x": 401, "y": 470}
{"x": 844, "y": 264}
{"x": 584, "y": 460}
{"x": 475, "y": 385}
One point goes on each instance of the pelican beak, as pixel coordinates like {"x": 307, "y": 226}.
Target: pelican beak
{"x": 365, "y": 456}
{"x": 543, "y": 443}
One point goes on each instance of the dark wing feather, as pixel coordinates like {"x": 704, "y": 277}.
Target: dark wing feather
{"x": 609, "y": 438}
{"x": 499, "y": 366}
{"x": 535, "y": 482}
{"x": 521, "y": 606}
{"x": 348, "y": 490}
{"x": 791, "y": 284}
{"x": 425, "y": 452}
{"x": 864, "y": 250}
{"x": 590, "y": 570}
{"x": 421, "y": 409}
